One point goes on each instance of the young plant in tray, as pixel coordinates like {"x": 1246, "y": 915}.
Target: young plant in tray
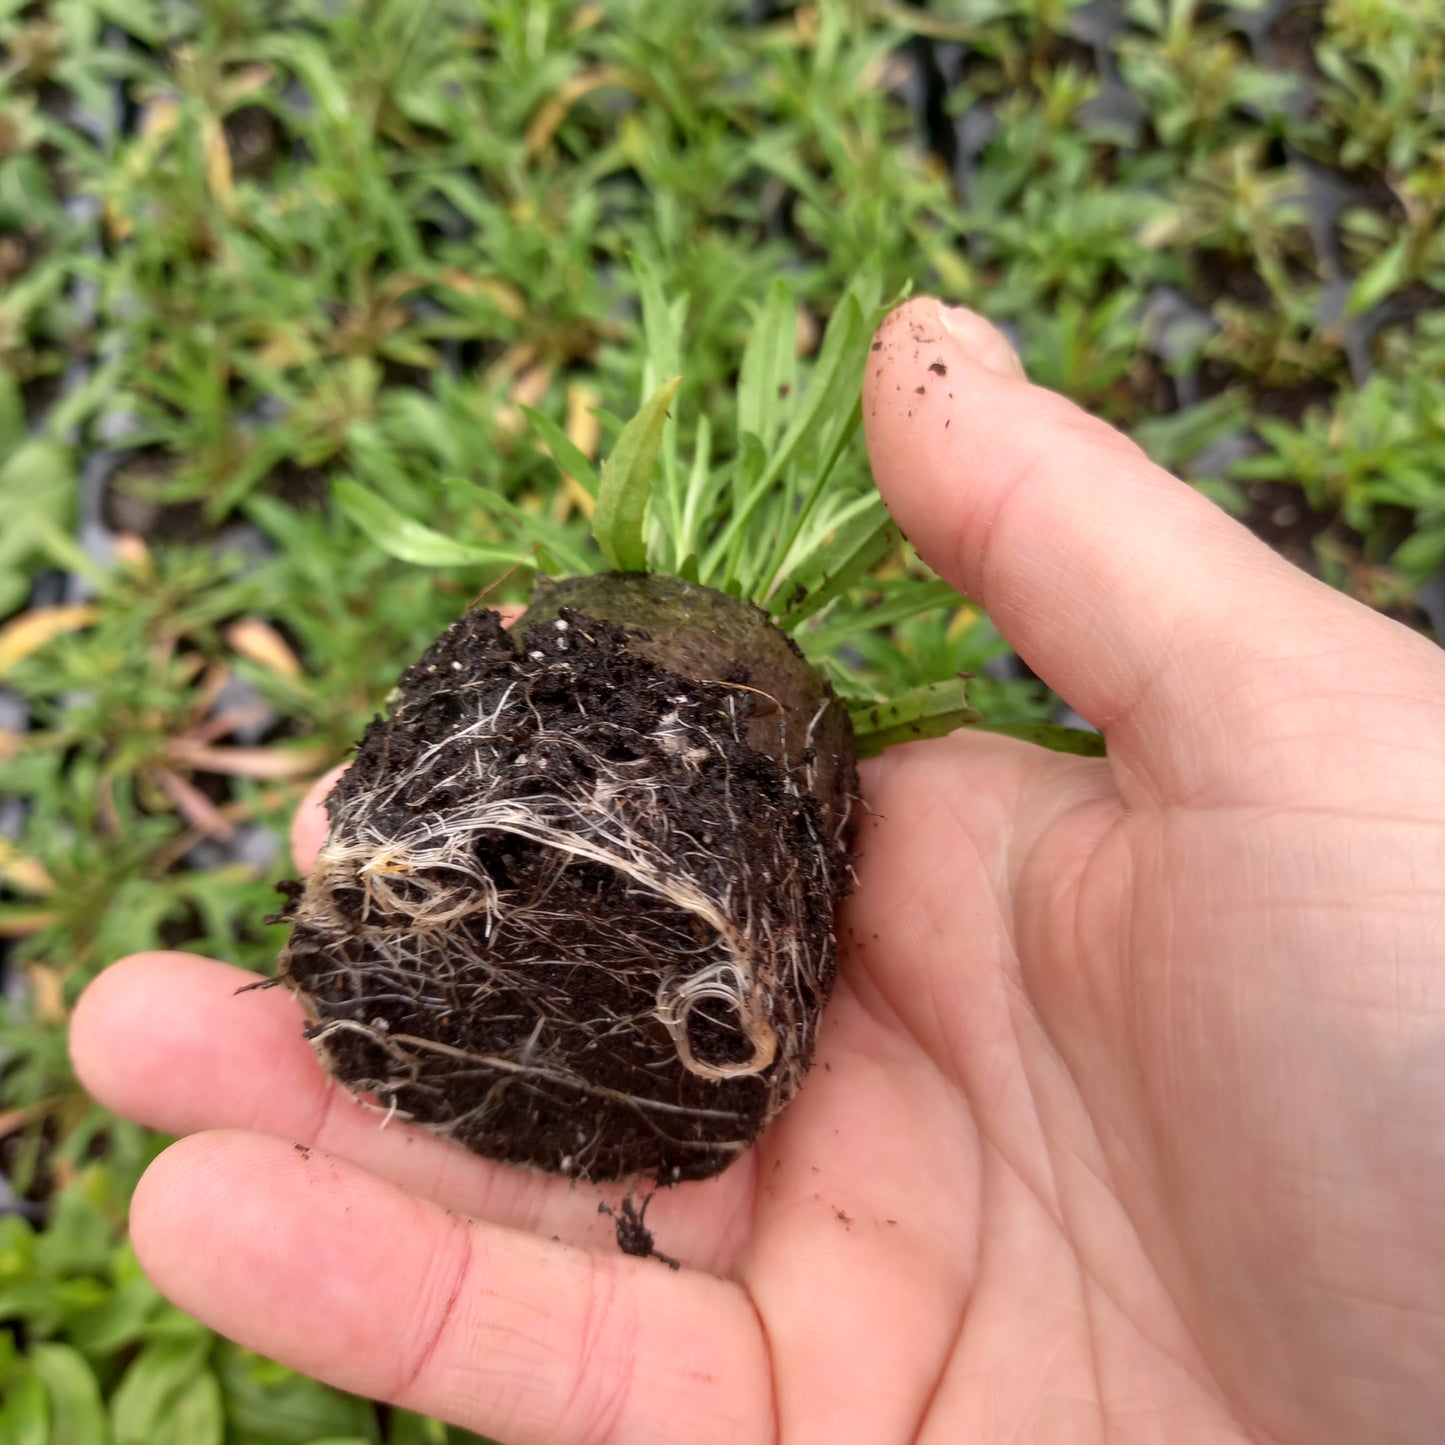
{"x": 575, "y": 909}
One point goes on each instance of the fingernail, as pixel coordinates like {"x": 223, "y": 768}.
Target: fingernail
{"x": 980, "y": 341}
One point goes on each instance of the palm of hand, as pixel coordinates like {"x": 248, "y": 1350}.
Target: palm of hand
{"x": 955, "y": 1231}
{"x": 944, "y": 1180}
{"x": 1106, "y": 1097}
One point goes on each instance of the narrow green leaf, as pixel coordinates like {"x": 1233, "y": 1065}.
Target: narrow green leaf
{"x": 832, "y": 392}
{"x": 662, "y": 323}
{"x": 686, "y": 539}
{"x": 626, "y": 484}
{"x": 769, "y": 373}
{"x": 1078, "y": 741}
{"x": 405, "y": 1428}
{"x": 37, "y": 487}
{"x": 930, "y": 711}
{"x": 1421, "y": 556}
{"x": 266, "y": 1401}
{"x": 119, "y": 1321}
{"x": 909, "y": 601}
{"x": 838, "y": 415}
{"x": 1381, "y": 279}
{"x": 77, "y": 1416}
{"x": 144, "y": 1405}
{"x": 565, "y": 451}
{"x": 566, "y": 545}
{"x": 197, "y": 1417}
{"x": 856, "y": 548}
{"x": 610, "y": 422}
{"x": 25, "y": 1409}
{"x": 409, "y": 540}
{"x": 140, "y": 20}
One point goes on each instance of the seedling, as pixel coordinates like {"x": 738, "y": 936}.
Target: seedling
{"x": 575, "y": 909}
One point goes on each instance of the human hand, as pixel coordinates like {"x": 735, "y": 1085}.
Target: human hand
{"x": 1126, "y": 1114}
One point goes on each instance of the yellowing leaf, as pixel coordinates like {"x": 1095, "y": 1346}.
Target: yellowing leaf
{"x": 22, "y": 922}
{"x": 527, "y": 389}
{"x": 259, "y": 642}
{"x": 13, "y": 1119}
{"x": 160, "y": 116}
{"x": 131, "y": 551}
{"x": 34, "y": 629}
{"x": 218, "y": 162}
{"x": 193, "y": 805}
{"x": 584, "y": 431}
{"x": 532, "y": 385}
{"x": 286, "y": 345}
{"x": 245, "y": 82}
{"x": 23, "y": 873}
{"x": 505, "y": 297}
{"x": 553, "y": 111}
{"x": 240, "y": 762}
{"x": 48, "y": 993}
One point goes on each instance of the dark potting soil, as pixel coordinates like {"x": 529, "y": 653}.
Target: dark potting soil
{"x": 569, "y": 912}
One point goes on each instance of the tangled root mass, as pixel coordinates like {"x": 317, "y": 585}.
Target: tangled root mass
{"x": 568, "y": 913}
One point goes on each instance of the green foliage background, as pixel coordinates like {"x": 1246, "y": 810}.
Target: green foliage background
{"x": 251, "y": 248}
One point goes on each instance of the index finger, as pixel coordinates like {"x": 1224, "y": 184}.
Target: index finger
{"x": 306, "y": 1258}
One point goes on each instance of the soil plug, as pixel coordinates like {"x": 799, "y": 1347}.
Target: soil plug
{"x": 575, "y": 908}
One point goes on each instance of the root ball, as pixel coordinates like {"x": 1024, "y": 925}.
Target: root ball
{"x": 575, "y": 908}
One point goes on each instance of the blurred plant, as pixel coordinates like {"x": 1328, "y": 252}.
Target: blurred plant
{"x": 254, "y": 249}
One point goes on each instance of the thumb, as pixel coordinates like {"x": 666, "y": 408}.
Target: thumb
{"x": 1157, "y": 617}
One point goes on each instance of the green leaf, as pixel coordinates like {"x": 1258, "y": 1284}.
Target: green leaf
{"x": 907, "y": 601}
{"x": 769, "y": 372}
{"x": 1079, "y": 741}
{"x": 1421, "y": 556}
{"x": 929, "y": 711}
{"x": 847, "y": 557}
{"x": 396, "y": 533}
{"x": 137, "y": 17}
{"x": 80, "y": 1236}
{"x": 626, "y": 483}
{"x": 77, "y": 1416}
{"x": 267, "y": 1402}
{"x": 119, "y": 1321}
{"x": 197, "y": 1417}
{"x": 686, "y": 524}
{"x": 406, "y": 1428}
{"x": 25, "y": 1409}
{"x": 540, "y": 531}
{"x": 662, "y": 322}
{"x": 169, "y": 1396}
{"x": 830, "y": 400}
{"x": 565, "y": 451}
{"x": 37, "y": 491}
{"x": 1385, "y": 275}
